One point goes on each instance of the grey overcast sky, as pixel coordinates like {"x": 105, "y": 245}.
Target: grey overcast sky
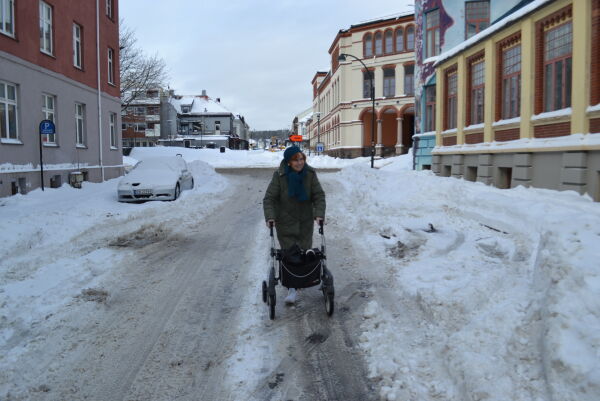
{"x": 258, "y": 56}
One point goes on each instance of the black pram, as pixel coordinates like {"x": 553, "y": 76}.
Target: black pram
{"x": 298, "y": 268}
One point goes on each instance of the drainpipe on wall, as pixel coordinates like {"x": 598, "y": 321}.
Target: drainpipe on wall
{"x": 99, "y": 88}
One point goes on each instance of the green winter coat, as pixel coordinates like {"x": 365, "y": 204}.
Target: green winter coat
{"x": 294, "y": 219}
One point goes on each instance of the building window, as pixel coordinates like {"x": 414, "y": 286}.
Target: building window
{"x": 7, "y": 17}
{"x": 558, "y": 45}
{"x": 141, "y": 110}
{"x": 410, "y": 38}
{"x": 399, "y": 40}
{"x": 451, "y": 99}
{"x": 49, "y": 113}
{"x": 389, "y": 82}
{"x": 80, "y": 124}
{"x": 378, "y": 44}
{"x": 432, "y": 33}
{"x": 111, "y": 66}
{"x": 389, "y": 42}
{"x": 409, "y": 79}
{"x": 477, "y": 17}
{"x": 8, "y": 111}
{"x": 367, "y": 84}
{"x": 511, "y": 82}
{"x": 77, "y": 56}
{"x": 46, "y": 40}
{"x": 112, "y": 122}
{"x": 109, "y": 8}
{"x": 430, "y": 108}
{"x": 368, "y": 45}
{"x": 477, "y": 91}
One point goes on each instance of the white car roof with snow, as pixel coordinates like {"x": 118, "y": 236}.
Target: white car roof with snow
{"x": 173, "y": 162}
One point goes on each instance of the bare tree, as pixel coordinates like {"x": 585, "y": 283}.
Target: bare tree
{"x": 138, "y": 71}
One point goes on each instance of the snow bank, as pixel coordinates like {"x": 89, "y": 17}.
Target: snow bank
{"x": 497, "y": 299}
{"x": 60, "y": 242}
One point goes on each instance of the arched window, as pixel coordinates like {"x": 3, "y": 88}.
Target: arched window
{"x": 368, "y": 45}
{"x": 378, "y": 44}
{"x": 410, "y": 38}
{"x": 399, "y": 40}
{"x": 389, "y": 42}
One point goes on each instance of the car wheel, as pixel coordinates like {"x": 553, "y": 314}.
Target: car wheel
{"x": 177, "y": 192}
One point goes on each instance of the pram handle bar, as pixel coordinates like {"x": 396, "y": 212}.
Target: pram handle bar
{"x": 321, "y": 227}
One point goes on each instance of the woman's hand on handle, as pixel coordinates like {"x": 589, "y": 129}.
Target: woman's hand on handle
{"x": 320, "y": 220}
{"x": 270, "y": 223}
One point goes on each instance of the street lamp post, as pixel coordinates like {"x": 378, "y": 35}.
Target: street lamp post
{"x": 318, "y": 129}
{"x": 342, "y": 58}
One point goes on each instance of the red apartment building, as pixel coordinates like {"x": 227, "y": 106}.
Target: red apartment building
{"x": 59, "y": 60}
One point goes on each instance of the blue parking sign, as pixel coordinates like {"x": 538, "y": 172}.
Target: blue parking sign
{"x": 47, "y": 127}
{"x": 320, "y": 146}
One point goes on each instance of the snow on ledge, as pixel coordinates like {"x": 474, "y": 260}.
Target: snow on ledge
{"x": 29, "y": 167}
{"x": 591, "y": 109}
{"x": 525, "y": 144}
{"x": 552, "y": 114}
{"x": 450, "y": 131}
{"x": 474, "y": 127}
{"x": 508, "y": 121}
{"x": 429, "y": 133}
{"x": 11, "y": 141}
{"x": 431, "y": 59}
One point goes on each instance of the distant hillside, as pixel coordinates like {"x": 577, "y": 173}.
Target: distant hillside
{"x": 280, "y": 133}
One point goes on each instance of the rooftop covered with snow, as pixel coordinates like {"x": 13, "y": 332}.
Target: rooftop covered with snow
{"x": 201, "y": 105}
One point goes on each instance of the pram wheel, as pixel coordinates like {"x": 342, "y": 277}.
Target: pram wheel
{"x": 264, "y": 291}
{"x": 271, "y": 307}
{"x": 328, "y": 291}
{"x": 329, "y": 304}
{"x": 271, "y": 294}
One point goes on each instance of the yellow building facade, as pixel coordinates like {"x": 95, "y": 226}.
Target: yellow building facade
{"x": 519, "y": 103}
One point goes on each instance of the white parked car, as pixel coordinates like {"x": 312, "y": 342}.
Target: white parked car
{"x": 157, "y": 178}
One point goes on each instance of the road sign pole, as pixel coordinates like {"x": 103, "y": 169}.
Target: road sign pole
{"x": 47, "y": 127}
{"x": 41, "y": 163}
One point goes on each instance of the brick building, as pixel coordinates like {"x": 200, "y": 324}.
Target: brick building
{"x": 141, "y": 120}
{"x": 343, "y": 115}
{"x": 54, "y": 65}
{"x": 519, "y": 103}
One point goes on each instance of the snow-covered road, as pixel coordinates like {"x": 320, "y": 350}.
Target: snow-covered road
{"x": 445, "y": 290}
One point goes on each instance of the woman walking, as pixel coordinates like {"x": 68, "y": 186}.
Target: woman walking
{"x": 293, "y": 201}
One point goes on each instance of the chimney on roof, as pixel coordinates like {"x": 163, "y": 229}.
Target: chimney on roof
{"x": 204, "y": 93}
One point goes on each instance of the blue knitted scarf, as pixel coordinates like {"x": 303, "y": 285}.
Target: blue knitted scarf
{"x": 296, "y": 183}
